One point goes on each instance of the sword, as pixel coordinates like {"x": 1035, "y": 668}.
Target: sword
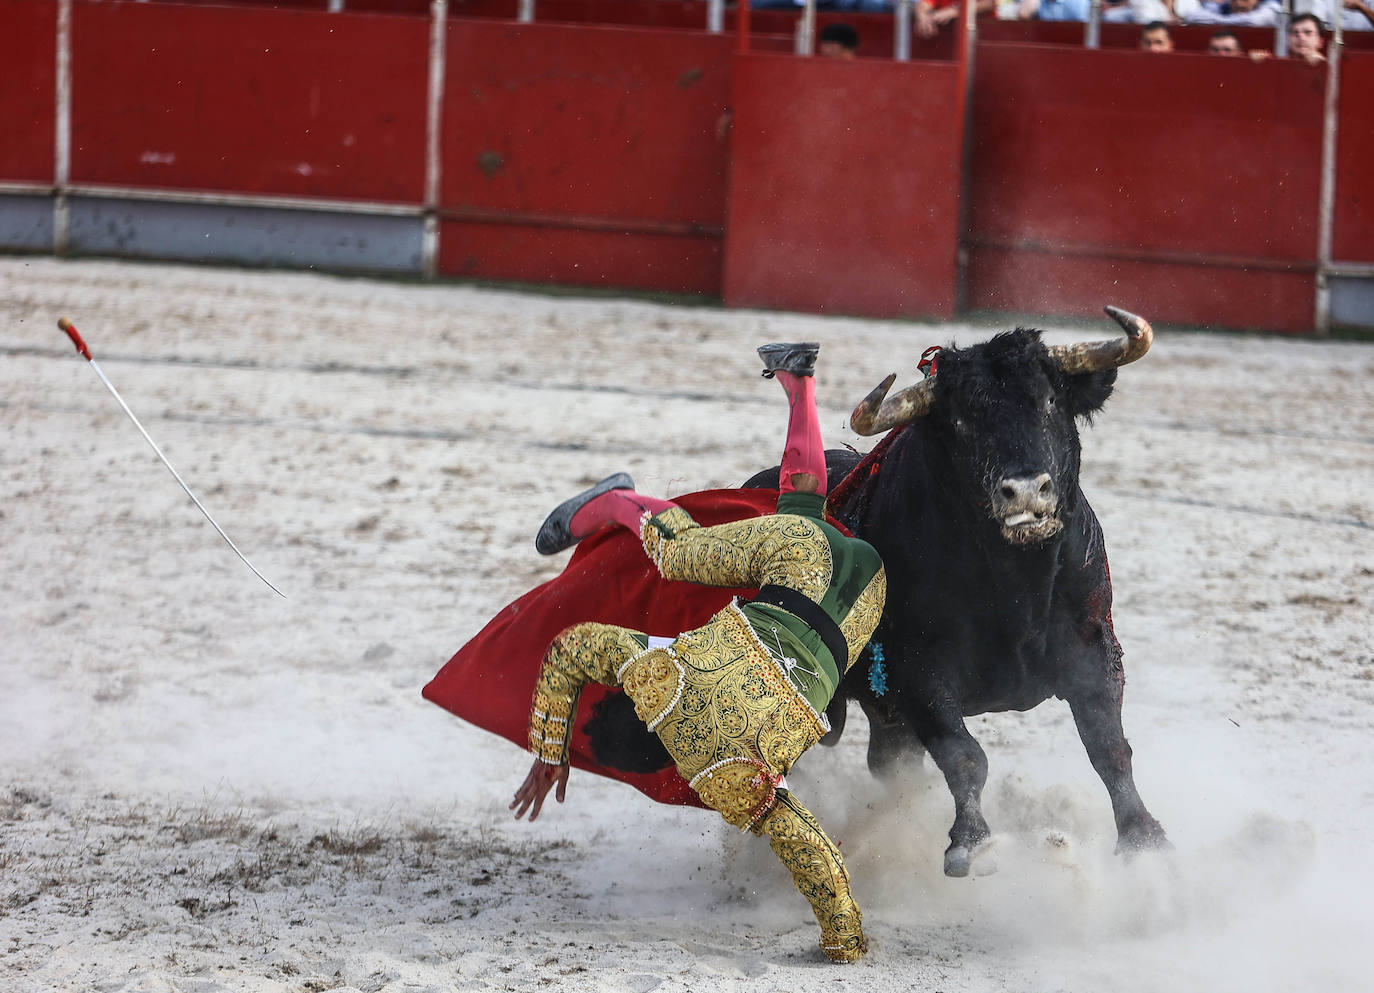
{"x": 85, "y": 352}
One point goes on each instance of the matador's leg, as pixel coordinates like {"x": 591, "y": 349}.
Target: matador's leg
{"x": 580, "y": 654}
{"x": 819, "y": 872}
{"x": 803, "y": 456}
{"x": 783, "y": 549}
{"x": 611, "y": 501}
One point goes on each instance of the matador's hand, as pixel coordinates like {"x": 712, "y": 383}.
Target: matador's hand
{"x": 536, "y": 786}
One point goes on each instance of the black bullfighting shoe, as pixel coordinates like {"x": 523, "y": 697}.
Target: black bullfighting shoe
{"x": 555, "y": 534}
{"x": 796, "y": 357}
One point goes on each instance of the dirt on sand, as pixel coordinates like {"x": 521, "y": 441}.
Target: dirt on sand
{"x": 206, "y": 788}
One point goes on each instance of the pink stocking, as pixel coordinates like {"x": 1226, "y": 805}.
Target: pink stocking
{"x": 623, "y": 507}
{"x": 805, "y": 452}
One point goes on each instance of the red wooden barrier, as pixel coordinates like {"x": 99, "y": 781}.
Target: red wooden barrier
{"x": 28, "y": 53}
{"x": 249, "y": 100}
{"x": 590, "y": 156}
{"x": 875, "y": 30}
{"x": 843, "y": 187}
{"x": 1190, "y": 189}
{"x": 600, "y": 156}
{"x": 1353, "y": 234}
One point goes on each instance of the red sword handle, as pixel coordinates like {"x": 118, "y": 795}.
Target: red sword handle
{"x": 75, "y": 336}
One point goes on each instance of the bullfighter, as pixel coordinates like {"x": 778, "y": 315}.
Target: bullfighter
{"x": 739, "y": 699}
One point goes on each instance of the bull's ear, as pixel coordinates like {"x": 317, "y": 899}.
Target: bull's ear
{"x": 1086, "y": 392}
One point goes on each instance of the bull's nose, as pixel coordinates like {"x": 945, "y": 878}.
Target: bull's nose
{"x": 1026, "y": 490}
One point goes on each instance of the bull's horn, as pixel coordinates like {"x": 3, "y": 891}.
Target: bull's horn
{"x": 1096, "y": 356}
{"x": 874, "y": 415}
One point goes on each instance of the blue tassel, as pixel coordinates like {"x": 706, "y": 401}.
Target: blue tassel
{"x": 877, "y": 671}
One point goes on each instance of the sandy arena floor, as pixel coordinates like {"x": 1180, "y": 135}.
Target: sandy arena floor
{"x": 206, "y": 788}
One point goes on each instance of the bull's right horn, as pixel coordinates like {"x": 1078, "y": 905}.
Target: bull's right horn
{"x": 874, "y": 415}
{"x": 1097, "y": 356}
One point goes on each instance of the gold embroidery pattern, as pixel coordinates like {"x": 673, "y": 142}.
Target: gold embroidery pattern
{"x": 859, "y": 624}
{"x": 581, "y": 653}
{"x": 783, "y": 549}
{"x": 734, "y": 702}
{"x": 734, "y": 725}
{"x": 654, "y": 681}
{"x": 742, "y": 789}
{"x": 659, "y": 530}
{"x": 818, "y": 870}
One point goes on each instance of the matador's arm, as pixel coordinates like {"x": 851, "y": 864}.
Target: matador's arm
{"x": 581, "y": 654}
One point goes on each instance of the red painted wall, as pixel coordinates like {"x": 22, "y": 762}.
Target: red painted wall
{"x": 249, "y": 100}
{"x": 1183, "y": 186}
{"x": 28, "y": 53}
{"x": 590, "y": 156}
{"x": 1353, "y": 233}
{"x": 1191, "y": 194}
{"x": 843, "y": 186}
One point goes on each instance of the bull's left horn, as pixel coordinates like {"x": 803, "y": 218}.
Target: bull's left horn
{"x": 1096, "y": 356}
{"x": 874, "y": 415}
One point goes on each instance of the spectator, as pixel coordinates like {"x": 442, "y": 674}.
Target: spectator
{"x": 1155, "y": 37}
{"x": 932, "y": 15}
{"x": 1238, "y": 13}
{"x": 1053, "y": 10}
{"x": 1145, "y": 11}
{"x": 1224, "y": 42}
{"x": 839, "y": 41}
{"x": 1358, "y": 15}
{"x": 866, "y": 6}
{"x": 1306, "y": 39}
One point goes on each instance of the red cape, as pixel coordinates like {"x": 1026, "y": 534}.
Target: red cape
{"x": 609, "y": 579}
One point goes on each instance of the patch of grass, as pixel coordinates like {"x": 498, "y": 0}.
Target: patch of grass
{"x": 205, "y": 825}
{"x": 359, "y": 841}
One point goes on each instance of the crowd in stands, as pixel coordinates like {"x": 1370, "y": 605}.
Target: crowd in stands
{"x": 931, "y": 15}
{"x": 1306, "y": 40}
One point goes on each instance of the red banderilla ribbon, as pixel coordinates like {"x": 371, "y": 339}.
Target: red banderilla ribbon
{"x": 80, "y": 344}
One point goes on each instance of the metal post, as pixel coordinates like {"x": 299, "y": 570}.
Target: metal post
{"x": 1281, "y": 29}
{"x": 806, "y": 29}
{"x": 715, "y": 16}
{"x": 526, "y": 12}
{"x": 1330, "y": 124}
{"x": 434, "y": 106}
{"x": 1092, "y": 36}
{"x": 901, "y": 31}
{"x": 967, "y": 45}
{"x": 61, "y": 215}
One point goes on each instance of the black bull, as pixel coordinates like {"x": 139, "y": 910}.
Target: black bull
{"x": 999, "y": 596}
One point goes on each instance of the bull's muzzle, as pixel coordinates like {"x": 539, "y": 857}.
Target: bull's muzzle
{"x": 1027, "y": 508}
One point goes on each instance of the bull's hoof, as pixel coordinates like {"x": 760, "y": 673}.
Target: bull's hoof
{"x": 1129, "y": 850}
{"x": 959, "y": 859}
{"x": 1144, "y": 836}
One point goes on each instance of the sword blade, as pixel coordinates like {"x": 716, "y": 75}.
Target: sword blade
{"x": 176, "y": 475}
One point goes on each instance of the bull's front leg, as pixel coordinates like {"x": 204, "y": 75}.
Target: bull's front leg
{"x": 1097, "y": 714}
{"x": 965, "y": 766}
